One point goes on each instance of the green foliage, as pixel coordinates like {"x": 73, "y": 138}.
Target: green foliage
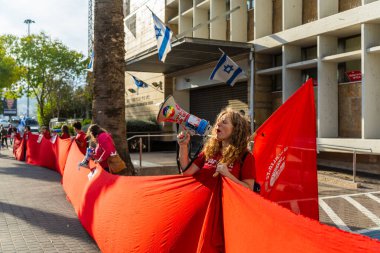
{"x": 10, "y": 71}
{"x": 136, "y": 125}
{"x": 52, "y": 72}
{"x": 86, "y": 122}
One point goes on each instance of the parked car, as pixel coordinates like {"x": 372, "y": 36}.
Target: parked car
{"x": 34, "y": 127}
{"x": 4, "y": 122}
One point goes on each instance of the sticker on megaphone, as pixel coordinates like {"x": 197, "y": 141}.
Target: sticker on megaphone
{"x": 170, "y": 111}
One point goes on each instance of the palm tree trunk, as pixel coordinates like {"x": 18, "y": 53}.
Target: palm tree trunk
{"x": 109, "y": 74}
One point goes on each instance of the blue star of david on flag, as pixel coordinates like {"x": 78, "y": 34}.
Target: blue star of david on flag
{"x": 227, "y": 71}
{"x": 228, "y": 68}
{"x": 158, "y": 32}
{"x": 163, "y": 36}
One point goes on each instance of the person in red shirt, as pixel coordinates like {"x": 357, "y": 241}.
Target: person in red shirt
{"x": 27, "y": 132}
{"x": 105, "y": 148}
{"x": 46, "y": 132}
{"x": 225, "y": 153}
{"x": 65, "y": 132}
{"x": 80, "y": 138}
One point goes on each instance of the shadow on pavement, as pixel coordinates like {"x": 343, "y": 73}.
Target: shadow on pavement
{"x": 50, "y": 222}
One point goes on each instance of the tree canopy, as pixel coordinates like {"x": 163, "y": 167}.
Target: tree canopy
{"x": 10, "y": 71}
{"x": 51, "y": 71}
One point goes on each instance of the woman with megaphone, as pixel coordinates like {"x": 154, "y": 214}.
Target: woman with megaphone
{"x": 225, "y": 152}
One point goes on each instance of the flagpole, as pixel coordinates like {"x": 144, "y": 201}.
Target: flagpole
{"x": 252, "y": 91}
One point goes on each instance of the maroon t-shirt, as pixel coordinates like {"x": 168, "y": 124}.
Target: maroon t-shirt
{"x": 239, "y": 170}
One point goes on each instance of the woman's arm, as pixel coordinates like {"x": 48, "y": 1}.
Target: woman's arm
{"x": 183, "y": 141}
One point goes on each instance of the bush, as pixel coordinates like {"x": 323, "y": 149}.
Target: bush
{"x": 86, "y": 122}
{"x": 136, "y": 125}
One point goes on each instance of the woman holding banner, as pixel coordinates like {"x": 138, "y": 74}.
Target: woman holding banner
{"x": 105, "y": 152}
{"x": 225, "y": 153}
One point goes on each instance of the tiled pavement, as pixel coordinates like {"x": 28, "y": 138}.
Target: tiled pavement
{"x": 353, "y": 210}
{"x": 34, "y": 213}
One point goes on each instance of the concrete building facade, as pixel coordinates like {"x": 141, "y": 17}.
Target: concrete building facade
{"x": 336, "y": 42}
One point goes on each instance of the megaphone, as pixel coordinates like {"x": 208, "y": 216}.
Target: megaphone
{"x": 170, "y": 111}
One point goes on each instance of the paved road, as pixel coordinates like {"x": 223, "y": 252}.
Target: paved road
{"x": 34, "y": 213}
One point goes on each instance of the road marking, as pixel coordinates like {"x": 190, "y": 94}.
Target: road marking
{"x": 348, "y": 195}
{"x": 333, "y": 216}
{"x": 364, "y": 210}
{"x": 369, "y": 195}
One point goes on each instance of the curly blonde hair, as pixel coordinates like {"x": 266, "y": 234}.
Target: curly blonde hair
{"x": 238, "y": 140}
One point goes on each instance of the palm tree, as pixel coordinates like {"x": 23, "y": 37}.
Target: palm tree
{"x": 108, "y": 107}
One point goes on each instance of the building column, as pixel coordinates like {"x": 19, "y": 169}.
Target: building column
{"x": 327, "y": 89}
{"x": 370, "y": 81}
{"x": 238, "y": 21}
{"x": 219, "y": 26}
{"x": 263, "y": 18}
{"x": 291, "y": 78}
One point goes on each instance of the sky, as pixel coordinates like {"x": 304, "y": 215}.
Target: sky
{"x": 65, "y": 20}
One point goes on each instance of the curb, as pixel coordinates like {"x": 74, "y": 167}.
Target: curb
{"x": 338, "y": 182}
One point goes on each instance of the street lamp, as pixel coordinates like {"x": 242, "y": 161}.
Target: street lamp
{"x": 28, "y": 22}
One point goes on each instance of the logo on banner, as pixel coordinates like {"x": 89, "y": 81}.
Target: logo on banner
{"x": 275, "y": 169}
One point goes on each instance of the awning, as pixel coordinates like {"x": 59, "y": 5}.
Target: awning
{"x": 186, "y": 53}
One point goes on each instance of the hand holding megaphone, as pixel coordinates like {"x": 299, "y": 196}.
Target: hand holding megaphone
{"x": 183, "y": 138}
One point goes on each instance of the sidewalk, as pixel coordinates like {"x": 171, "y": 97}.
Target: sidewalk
{"x": 34, "y": 213}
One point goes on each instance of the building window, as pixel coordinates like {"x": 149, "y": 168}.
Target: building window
{"x": 250, "y": 4}
{"x": 310, "y": 73}
{"x": 127, "y": 7}
{"x": 349, "y": 44}
{"x": 277, "y": 82}
{"x": 309, "y": 53}
{"x": 130, "y": 23}
{"x": 277, "y": 60}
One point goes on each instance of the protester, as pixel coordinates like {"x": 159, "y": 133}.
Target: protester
{"x": 9, "y": 134}
{"x": 65, "y": 134}
{"x": 80, "y": 138}
{"x": 4, "y": 138}
{"x": 27, "y": 132}
{"x": 225, "y": 152}
{"x": 105, "y": 151}
{"x": 45, "y": 132}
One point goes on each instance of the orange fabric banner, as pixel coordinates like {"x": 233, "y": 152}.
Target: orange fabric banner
{"x": 254, "y": 224}
{"x": 285, "y": 154}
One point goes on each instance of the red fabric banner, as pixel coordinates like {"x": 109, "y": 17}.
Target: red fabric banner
{"x": 47, "y": 154}
{"x": 285, "y": 154}
{"x": 19, "y": 146}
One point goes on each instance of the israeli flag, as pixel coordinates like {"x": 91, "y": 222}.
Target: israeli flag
{"x": 163, "y": 36}
{"x": 227, "y": 71}
{"x": 91, "y": 63}
{"x": 139, "y": 83}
